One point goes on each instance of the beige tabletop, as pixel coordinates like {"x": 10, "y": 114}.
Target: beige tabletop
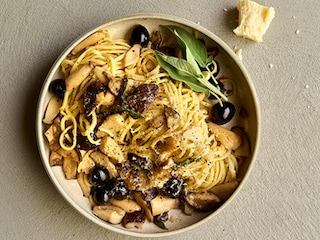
{"x": 281, "y": 197}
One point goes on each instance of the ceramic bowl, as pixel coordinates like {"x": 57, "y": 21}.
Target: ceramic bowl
{"x": 230, "y": 66}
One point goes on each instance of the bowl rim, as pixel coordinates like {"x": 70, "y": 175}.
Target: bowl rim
{"x": 54, "y": 68}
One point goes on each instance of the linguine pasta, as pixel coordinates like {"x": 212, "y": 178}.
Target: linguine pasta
{"x": 190, "y": 133}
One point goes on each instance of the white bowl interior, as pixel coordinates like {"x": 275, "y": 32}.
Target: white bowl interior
{"x": 230, "y": 67}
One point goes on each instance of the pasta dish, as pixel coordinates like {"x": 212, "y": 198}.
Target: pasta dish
{"x": 134, "y": 137}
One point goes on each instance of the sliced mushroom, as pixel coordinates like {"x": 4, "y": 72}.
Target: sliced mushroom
{"x": 157, "y": 121}
{"x": 53, "y": 132}
{"x": 55, "y": 159}
{"x": 128, "y": 205}
{"x": 69, "y": 168}
{"x": 105, "y": 99}
{"x": 74, "y": 154}
{"x": 202, "y": 201}
{"x": 100, "y": 74}
{"x": 114, "y": 84}
{"x": 111, "y": 125}
{"x": 134, "y": 220}
{"x": 144, "y": 205}
{"x": 109, "y": 213}
{"x": 110, "y": 148}
{"x": 187, "y": 209}
{"x": 77, "y": 77}
{"x": 244, "y": 149}
{"x": 224, "y": 190}
{"x": 132, "y": 56}
{"x": 86, "y": 164}
{"x": 162, "y": 204}
{"x": 228, "y": 138}
{"x": 52, "y": 110}
{"x": 91, "y": 40}
{"x": 84, "y": 184}
{"x": 172, "y": 116}
{"x": 193, "y": 134}
{"x": 102, "y": 160}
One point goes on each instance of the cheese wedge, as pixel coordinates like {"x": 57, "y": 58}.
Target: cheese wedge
{"x": 254, "y": 20}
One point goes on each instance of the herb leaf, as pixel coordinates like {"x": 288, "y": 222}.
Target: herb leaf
{"x": 186, "y": 162}
{"x": 181, "y": 70}
{"x": 159, "y": 223}
{"x": 188, "y": 41}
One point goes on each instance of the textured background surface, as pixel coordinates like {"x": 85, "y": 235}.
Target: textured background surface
{"x": 281, "y": 197}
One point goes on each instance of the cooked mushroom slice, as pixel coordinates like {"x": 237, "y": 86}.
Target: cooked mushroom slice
{"x": 224, "y": 190}
{"x": 52, "y": 110}
{"x": 55, "y": 159}
{"x": 69, "y": 168}
{"x": 134, "y": 220}
{"x": 228, "y": 138}
{"x": 244, "y": 149}
{"x": 91, "y": 40}
{"x": 99, "y": 72}
{"x": 114, "y": 84}
{"x": 128, "y": 205}
{"x": 157, "y": 121}
{"x": 86, "y": 164}
{"x": 187, "y": 209}
{"x": 172, "y": 116}
{"x": 144, "y": 205}
{"x": 76, "y": 77}
{"x": 193, "y": 134}
{"x": 111, "y": 125}
{"x": 162, "y": 204}
{"x": 132, "y": 56}
{"x": 84, "y": 184}
{"x": 74, "y": 154}
{"x": 202, "y": 201}
{"x": 109, "y": 147}
{"x": 109, "y": 213}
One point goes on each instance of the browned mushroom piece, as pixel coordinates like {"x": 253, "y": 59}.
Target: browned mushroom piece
{"x": 244, "y": 149}
{"x": 202, "y": 201}
{"x": 109, "y": 213}
{"x": 52, "y": 110}
{"x": 132, "y": 56}
{"x": 134, "y": 220}
{"x": 187, "y": 208}
{"x": 114, "y": 84}
{"x": 69, "y": 168}
{"x": 55, "y": 159}
{"x": 128, "y": 205}
{"x": 162, "y": 204}
{"x": 144, "y": 205}
{"x": 224, "y": 190}
{"x": 172, "y": 116}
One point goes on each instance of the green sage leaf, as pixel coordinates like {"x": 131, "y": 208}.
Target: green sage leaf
{"x": 186, "y": 77}
{"x": 187, "y": 40}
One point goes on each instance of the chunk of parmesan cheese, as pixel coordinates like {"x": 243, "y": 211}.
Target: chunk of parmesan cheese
{"x": 254, "y": 20}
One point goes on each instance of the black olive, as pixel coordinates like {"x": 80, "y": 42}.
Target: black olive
{"x": 99, "y": 176}
{"x": 222, "y": 114}
{"x": 100, "y": 195}
{"x": 119, "y": 190}
{"x": 140, "y": 35}
{"x": 58, "y": 88}
{"x": 174, "y": 187}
